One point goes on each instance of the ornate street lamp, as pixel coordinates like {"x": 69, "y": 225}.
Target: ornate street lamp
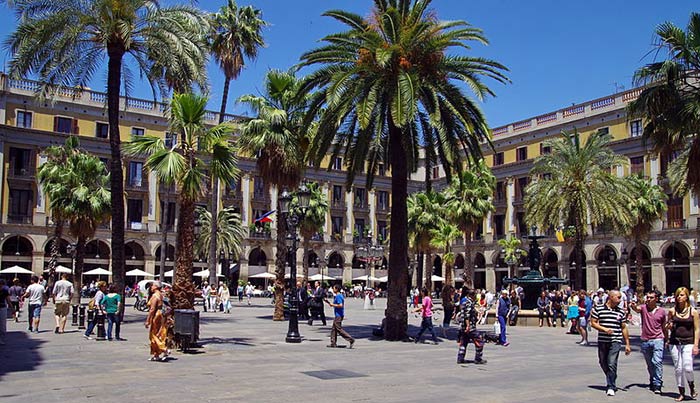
{"x": 293, "y": 219}
{"x": 370, "y": 253}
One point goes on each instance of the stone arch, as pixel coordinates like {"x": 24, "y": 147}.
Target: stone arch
{"x": 140, "y": 243}
{"x": 169, "y": 252}
{"x": 311, "y": 259}
{"x": 606, "y": 255}
{"x": 479, "y": 270}
{"x": 257, "y": 257}
{"x": 17, "y": 245}
{"x": 97, "y": 249}
{"x": 479, "y": 261}
{"x": 134, "y": 250}
{"x": 572, "y": 268}
{"x": 335, "y": 260}
{"x": 62, "y": 247}
{"x": 437, "y": 266}
{"x": 646, "y": 267}
{"x": 550, "y": 261}
{"x": 676, "y": 257}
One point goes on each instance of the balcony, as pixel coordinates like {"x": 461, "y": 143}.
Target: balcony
{"x": 338, "y": 204}
{"x": 677, "y": 223}
{"x": 260, "y": 196}
{"x": 499, "y": 201}
{"x": 19, "y": 219}
{"x": 135, "y": 225}
{"x": 167, "y": 227}
{"x": 382, "y": 207}
{"x": 27, "y": 172}
{"x": 259, "y": 234}
{"x": 316, "y": 237}
{"x": 360, "y": 206}
{"x": 337, "y": 237}
{"x": 137, "y": 183}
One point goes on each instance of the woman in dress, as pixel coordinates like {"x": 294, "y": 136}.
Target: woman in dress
{"x": 684, "y": 325}
{"x": 155, "y": 323}
{"x": 225, "y": 298}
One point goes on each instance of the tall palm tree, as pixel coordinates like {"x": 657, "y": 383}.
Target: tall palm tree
{"x": 64, "y": 42}
{"x": 183, "y": 166}
{"x": 512, "y": 253}
{"x": 442, "y": 238}
{"x": 647, "y": 204}
{"x": 469, "y": 201}
{"x": 229, "y": 236}
{"x": 313, "y": 222}
{"x": 423, "y": 216}
{"x": 277, "y": 137}
{"x": 78, "y": 190}
{"x": 387, "y": 86}
{"x": 236, "y": 35}
{"x": 670, "y": 100}
{"x": 576, "y": 187}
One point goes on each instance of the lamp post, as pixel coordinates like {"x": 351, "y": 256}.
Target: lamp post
{"x": 370, "y": 253}
{"x": 293, "y": 219}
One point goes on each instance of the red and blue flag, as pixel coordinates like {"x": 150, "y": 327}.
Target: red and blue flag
{"x": 265, "y": 217}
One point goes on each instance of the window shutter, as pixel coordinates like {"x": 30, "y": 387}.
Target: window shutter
{"x": 55, "y": 123}
{"x": 76, "y": 129}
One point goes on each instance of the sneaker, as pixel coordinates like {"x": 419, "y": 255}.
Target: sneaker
{"x": 352, "y": 343}
{"x": 610, "y": 392}
{"x": 480, "y": 362}
{"x": 435, "y": 343}
{"x": 332, "y": 346}
{"x": 87, "y": 337}
{"x": 506, "y": 344}
{"x": 56, "y": 330}
{"x": 657, "y": 390}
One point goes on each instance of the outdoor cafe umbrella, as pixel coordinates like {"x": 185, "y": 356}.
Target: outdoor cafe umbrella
{"x": 60, "y": 269}
{"x": 321, "y": 277}
{"x": 16, "y": 270}
{"x": 383, "y": 279}
{"x": 365, "y": 278}
{"x": 265, "y": 275}
{"x": 139, "y": 273}
{"x": 98, "y": 272}
{"x": 436, "y": 278}
{"x": 287, "y": 276}
{"x": 168, "y": 273}
{"x": 205, "y": 274}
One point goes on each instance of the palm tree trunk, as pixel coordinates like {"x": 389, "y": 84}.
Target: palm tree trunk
{"x": 419, "y": 269}
{"x": 468, "y": 274}
{"x": 55, "y": 252}
{"x": 183, "y": 288}
{"x": 280, "y": 260}
{"x": 396, "y": 314}
{"x": 114, "y": 69}
{"x": 428, "y": 271}
{"x": 78, "y": 274}
{"x": 164, "y": 234}
{"x": 224, "y": 99}
{"x": 213, "y": 247}
{"x": 578, "y": 247}
{"x": 639, "y": 256}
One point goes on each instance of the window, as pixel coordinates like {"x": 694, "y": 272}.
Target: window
{"x": 359, "y": 230}
{"x": 522, "y": 225}
{"x": 170, "y": 139}
{"x": 498, "y": 159}
{"x": 521, "y": 154}
{"x": 338, "y": 163}
{"x": 479, "y": 233}
{"x": 500, "y": 192}
{"x": 20, "y": 161}
{"x": 137, "y": 131}
{"x": 258, "y": 188}
{"x": 337, "y": 225}
{"x": 170, "y": 219}
{"x": 24, "y": 119}
{"x": 636, "y": 128}
{"x": 674, "y": 215}
{"x": 101, "y": 130}
{"x": 63, "y": 125}
{"x": 20, "y": 206}
{"x": 381, "y": 170}
{"x": 337, "y": 195}
{"x": 545, "y": 149}
{"x": 499, "y": 224}
{"x": 520, "y": 186}
{"x": 603, "y": 131}
{"x": 360, "y": 198}
{"x": 382, "y": 231}
{"x": 637, "y": 165}
{"x": 383, "y": 200}
{"x": 436, "y": 173}
{"x": 135, "y": 174}
{"x": 134, "y": 213}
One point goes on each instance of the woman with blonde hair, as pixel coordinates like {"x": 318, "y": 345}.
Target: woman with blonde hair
{"x": 156, "y": 325}
{"x": 684, "y": 325}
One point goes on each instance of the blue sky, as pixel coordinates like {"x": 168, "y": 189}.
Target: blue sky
{"x": 558, "y": 52}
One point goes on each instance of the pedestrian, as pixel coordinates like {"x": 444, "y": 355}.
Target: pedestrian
{"x": 155, "y": 323}
{"x": 249, "y": 292}
{"x": 654, "y": 336}
{"x": 515, "y": 306}
{"x": 111, "y": 304}
{"x": 544, "y": 306}
{"x": 239, "y": 290}
{"x": 448, "y": 308}
{"x": 683, "y": 341}
{"x": 426, "y": 310}
{"x": 316, "y": 307}
{"x": 36, "y": 294}
{"x": 584, "y": 308}
{"x": 225, "y": 296}
{"x": 502, "y": 308}
{"x": 98, "y": 312}
{"x": 5, "y": 304}
{"x": 16, "y": 292}
{"x": 338, "y": 305}
{"x": 468, "y": 332}
{"x": 214, "y": 298}
{"x": 62, "y": 293}
{"x": 206, "y": 290}
{"x": 573, "y": 314}
{"x": 611, "y": 323}
{"x": 558, "y": 308}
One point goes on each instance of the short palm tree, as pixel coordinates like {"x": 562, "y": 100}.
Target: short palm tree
{"x": 647, "y": 204}
{"x": 388, "y": 86}
{"x": 78, "y": 191}
{"x": 423, "y": 214}
{"x": 183, "y": 166}
{"x": 276, "y": 136}
{"x": 670, "y": 100}
{"x": 577, "y": 186}
{"x": 512, "y": 253}
{"x": 229, "y": 236}
{"x": 469, "y": 201}
{"x": 442, "y": 238}
{"x": 64, "y": 42}
{"x": 313, "y": 222}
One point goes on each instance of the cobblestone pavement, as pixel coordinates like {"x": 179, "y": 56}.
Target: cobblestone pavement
{"x": 244, "y": 358}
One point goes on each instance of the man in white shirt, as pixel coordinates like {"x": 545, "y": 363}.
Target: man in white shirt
{"x": 36, "y": 293}
{"x": 206, "y": 290}
{"x": 62, "y": 292}
{"x": 249, "y": 292}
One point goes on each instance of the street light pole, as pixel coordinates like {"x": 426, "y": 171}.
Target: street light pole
{"x": 291, "y": 240}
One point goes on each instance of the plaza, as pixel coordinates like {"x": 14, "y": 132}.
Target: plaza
{"x": 244, "y": 358}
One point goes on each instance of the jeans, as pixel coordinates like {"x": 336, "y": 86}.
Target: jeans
{"x": 560, "y": 314}
{"x": 3, "y": 324}
{"x": 502, "y": 336}
{"x": 653, "y": 351}
{"x": 112, "y": 318}
{"x": 427, "y": 324}
{"x": 608, "y": 352}
{"x": 448, "y": 317}
{"x": 92, "y": 324}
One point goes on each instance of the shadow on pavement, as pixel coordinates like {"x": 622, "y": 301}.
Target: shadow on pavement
{"x": 244, "y": 341}
{"x": 20, "y": 354}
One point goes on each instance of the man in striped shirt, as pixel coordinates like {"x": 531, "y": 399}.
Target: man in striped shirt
{"x": 611, "y": 323}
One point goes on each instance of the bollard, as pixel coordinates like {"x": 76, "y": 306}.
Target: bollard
{"x": 101, "y": 334}
{"x": 75, "y": 316}
{"x": 82, "y": 317}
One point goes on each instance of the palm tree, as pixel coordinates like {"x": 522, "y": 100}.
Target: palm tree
{"x": 442, "y": 238}
{"x": 313, "y": 222}
{"x": 236, "y": 35}
{"x": 577, "y": 186}
{"x": 229, "y": 236}
{"x": 64, "y": 42}
{"x": 468, "y": 203}
{"x": 512, "y": 253}
{"x": 183, "y": 166}
{"x": 423, "y": 215}
{"x": 670, "y": 100}
{"x": 278, "y": 139}
{"x": 388, "y": 86}
{"x": 78, "y": 191}
{"x": 647, "y": 204}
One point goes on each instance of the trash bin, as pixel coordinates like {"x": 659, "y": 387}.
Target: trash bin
{"x": 186, "y": 327}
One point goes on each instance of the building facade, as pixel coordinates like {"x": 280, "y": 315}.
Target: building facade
{"x": 27, "y": 126}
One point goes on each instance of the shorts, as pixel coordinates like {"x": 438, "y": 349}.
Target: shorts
{"x": 15, "y": 306}
{"x": 62, "y": 308}
{"x": 582, "y": 322}
{"x": 36, "y": 310}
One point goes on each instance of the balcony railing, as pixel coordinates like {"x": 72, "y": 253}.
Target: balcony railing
{"x": 135, "y": 225}
{"x": 19, "y": 219}
{"x": 23, "y": 172}
{"x": 137, "y": 183}
{"x": 317, "y": 237}
{"x": 338, "y": 203}
{"x": 675, "y": 224}
{"x": 260, "y": 234}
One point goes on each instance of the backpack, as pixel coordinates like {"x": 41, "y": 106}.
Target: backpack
{"x": 91, "y": 304}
